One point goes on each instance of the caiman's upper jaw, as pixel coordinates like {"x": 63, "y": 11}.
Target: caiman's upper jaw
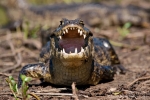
{"x": 73, "y": 30}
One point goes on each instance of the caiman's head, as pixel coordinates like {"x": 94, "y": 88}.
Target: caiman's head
{"x": 71, "y": 42}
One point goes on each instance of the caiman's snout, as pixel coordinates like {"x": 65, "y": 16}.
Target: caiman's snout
{"x": 72, "y": 40}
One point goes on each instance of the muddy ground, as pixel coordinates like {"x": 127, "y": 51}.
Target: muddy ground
{"x": 133, "y": 51}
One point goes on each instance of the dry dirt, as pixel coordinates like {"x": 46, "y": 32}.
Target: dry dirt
{"x": 134, "y": 54}
{"x": 16, "y": 52}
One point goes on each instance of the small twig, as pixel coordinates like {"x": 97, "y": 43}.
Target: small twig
{"x": 6, "y": 93}
{"x": 55, "y": 94}
{"x": 51, "y": 90}
{"x": 118, "y": 44}
{"x": 17, "y": 56}
{"x": 4, "y": 74}
{"x": 11, "y": 45}
{"x": 135, "y": 52}
{"x": 14, "y": 36}
{"x": 10, "y": 93}
{"x": 74, "y": 91}
{"x": 145, "y": 39}
{"x": 127, "y": 92}
{"x": 6, "y": 63}
{"x": 139, "y": 79}
{"x": 19, "y": 60}
{"x": 6, "y": 55}
{"x": 30, "y": 52}
{"x": 35, "y": 96}
{"x": 146, "y": 82}
{"x": 34, "y": 43}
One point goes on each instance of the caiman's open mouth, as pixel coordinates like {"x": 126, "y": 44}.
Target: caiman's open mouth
{"x": 72, "y": 39}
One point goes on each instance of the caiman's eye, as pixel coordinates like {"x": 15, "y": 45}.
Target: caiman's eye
{"x": 61, "y": 22}
{"x": 81, "y": 22}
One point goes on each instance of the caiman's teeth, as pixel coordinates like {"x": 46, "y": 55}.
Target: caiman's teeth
{"x": 60, "y": 37}
{"x": 84, "y": 36}
{"x": 82, "y": 50}
{"x": 70, "y": 52}
{"x": 80, "y": 33}
{"x": 66, "y": 30}
{"x": 78, "y": 30}
{"x": 61, "y": 51}
{"x": 76, "y": 51}
{"x": 64, "y": 50}
{"x": 73, "y": 28}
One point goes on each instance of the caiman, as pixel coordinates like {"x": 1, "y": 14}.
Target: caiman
{"x": 74, "y": 55}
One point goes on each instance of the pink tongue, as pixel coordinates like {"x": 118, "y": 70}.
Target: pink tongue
{"x": 69, "y": 44}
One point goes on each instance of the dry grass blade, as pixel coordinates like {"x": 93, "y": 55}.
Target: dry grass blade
{"x": 51, "y": 90}
{"x": 118, "y": 44}
{"x": 139, "y": 79}
{"x": 55, "y": 94}
{"x": 4, "y": 74}
{"x": 32, "y": 94}
{"x": 17, "y": 56}
{"x": 19, "y": 61}
{"x": 74, "y": 91}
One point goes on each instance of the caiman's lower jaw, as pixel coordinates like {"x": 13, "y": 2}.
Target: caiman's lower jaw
{"x": 72, "y": 42}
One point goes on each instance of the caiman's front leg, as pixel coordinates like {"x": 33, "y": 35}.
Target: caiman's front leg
{"x": 101, "y": 73}
{"x": 39, "y": 71}
{"x": 105, "y": 61}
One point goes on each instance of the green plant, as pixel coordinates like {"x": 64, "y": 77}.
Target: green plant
{"x": 3, "y": 16}
{"x": 24, "y": 88}
{"x": 124, "y": 31}
{"x": 26, "y": 29}
{"x": 30, "y": 32}
{"x": 13, "y": 86}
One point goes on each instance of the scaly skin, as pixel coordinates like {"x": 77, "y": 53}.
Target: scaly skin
{"x": 74, "y": 55}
